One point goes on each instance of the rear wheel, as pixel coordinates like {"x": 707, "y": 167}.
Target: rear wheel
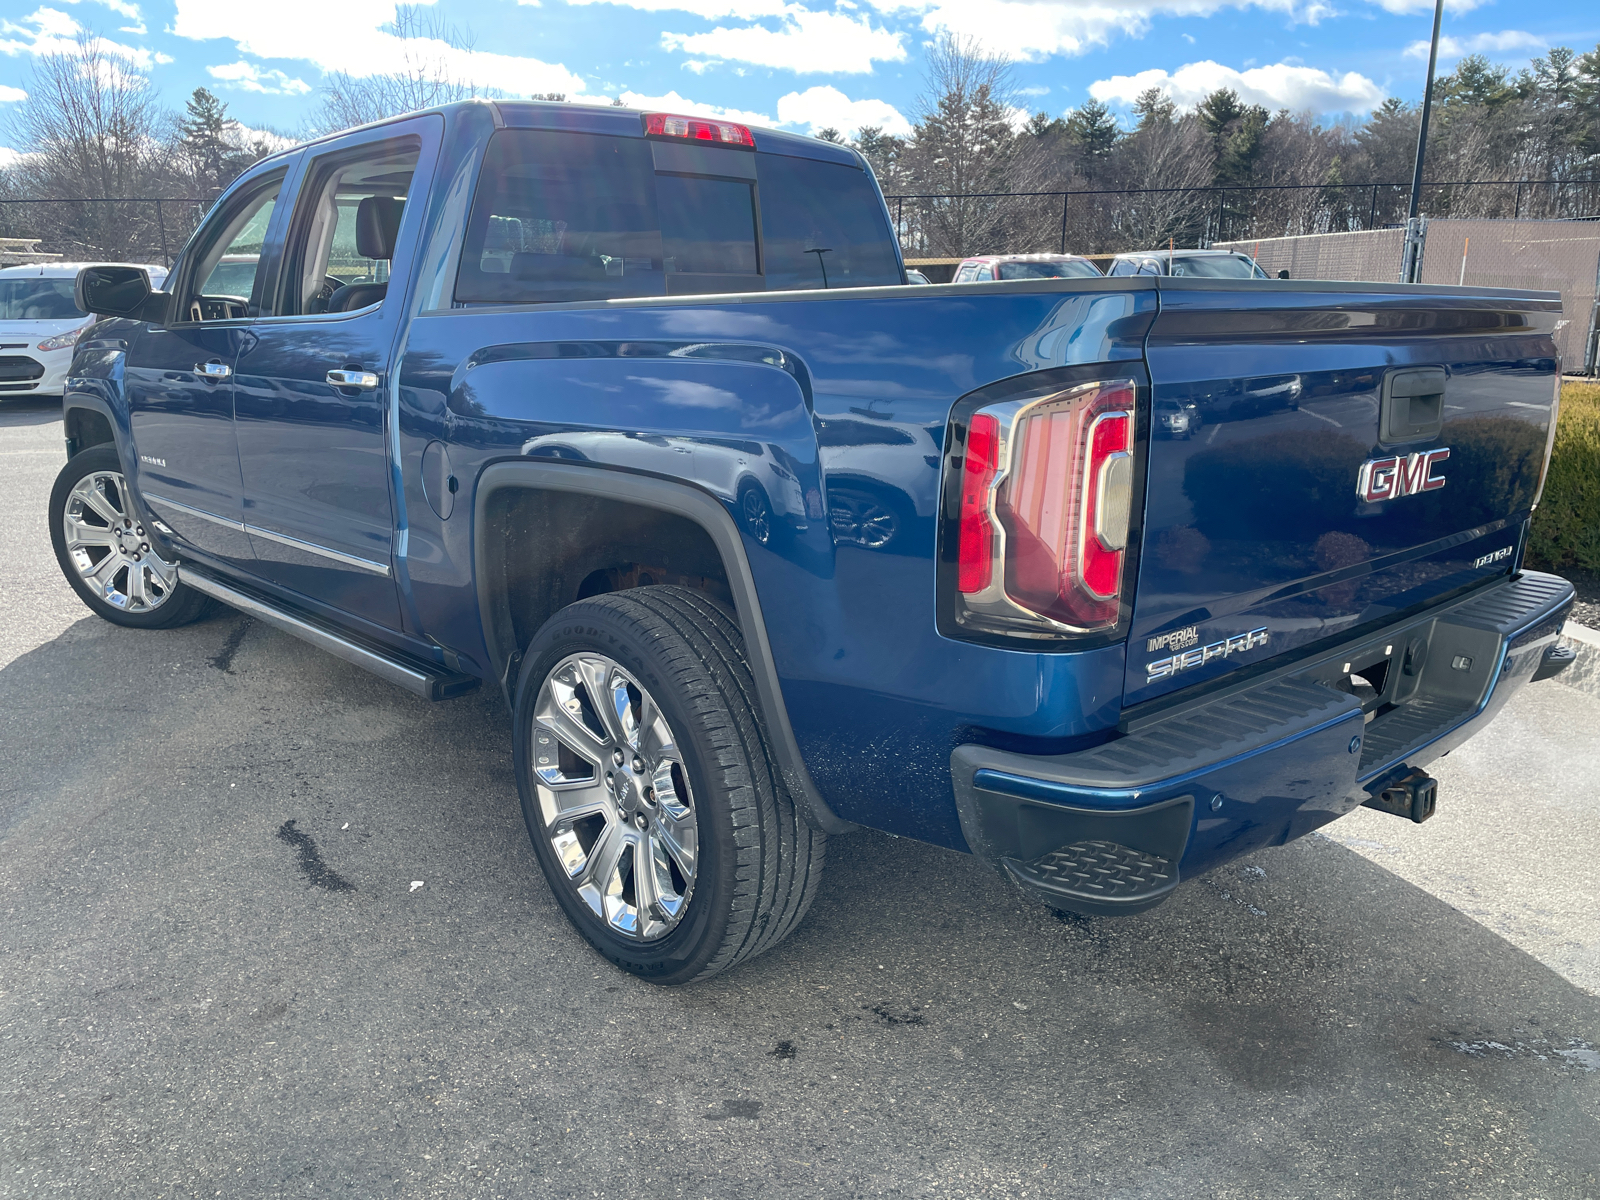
{"x": 107, "y": 554}
{"x": 648, "y": 791}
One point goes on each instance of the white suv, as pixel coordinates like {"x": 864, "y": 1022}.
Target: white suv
{"x": 39, "y": 326}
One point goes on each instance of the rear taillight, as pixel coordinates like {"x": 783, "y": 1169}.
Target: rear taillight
{"x": 697, "y": 129}
{"x": 975, "y": 556}
{"x": 1046, "y": 496}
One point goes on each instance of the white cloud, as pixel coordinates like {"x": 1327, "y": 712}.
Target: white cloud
{"x": 51, "y": 31}
{"x": 1034, "y": 29}
{"x": 821, "y": 108}
{"x": 121, "y": 8}
{"x": 1033, "y": 91}
{"x": 11, "y": 95}
{"x": 247, "y": 77}
{"x": 1414, "y": 6}
{"x": 348, "y": 35}
{"x": 1188, "y": 37}
{"x": 711, "y": 10}
{"x": 1499, "y": 43}
{"x": 806, "y": 41}
{"x": 244, "y": 135}
{"x": 674, "y": 103}
{"x": 1299, "y": 89}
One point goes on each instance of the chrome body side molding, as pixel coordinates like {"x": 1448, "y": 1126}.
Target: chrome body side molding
{"x": 283, "y": 539}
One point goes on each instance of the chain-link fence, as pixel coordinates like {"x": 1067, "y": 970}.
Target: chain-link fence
{"x": 138, "y": 229}
{"x": 1101, "y": 220}
{"x": 1557, "y": 256}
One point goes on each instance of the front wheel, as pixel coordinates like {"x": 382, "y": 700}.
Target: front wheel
{"x": 655, "y": 812}
{"x": 108, "y": 556}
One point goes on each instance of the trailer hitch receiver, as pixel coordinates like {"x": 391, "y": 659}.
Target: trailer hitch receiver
{"x": 1413, "y": 796}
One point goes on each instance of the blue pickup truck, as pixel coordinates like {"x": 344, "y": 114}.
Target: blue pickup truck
{"x": 633, "y": 417}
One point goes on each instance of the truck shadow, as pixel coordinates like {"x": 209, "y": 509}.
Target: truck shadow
{"x": 1303, "y": 1023}
{"x": 17, "y": 411}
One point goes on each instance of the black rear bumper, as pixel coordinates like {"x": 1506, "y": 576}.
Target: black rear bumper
{"x": 1114, "y": 828}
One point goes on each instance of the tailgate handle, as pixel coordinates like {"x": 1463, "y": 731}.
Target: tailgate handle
{"x": 1412, "y": 409}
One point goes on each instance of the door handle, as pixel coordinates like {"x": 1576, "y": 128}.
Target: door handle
{"x": 213, "y": 370}
{"x": 365, "y": 380}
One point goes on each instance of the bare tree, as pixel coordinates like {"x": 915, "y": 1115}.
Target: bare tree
{"x": 425, "y": 77}
{"x": 962, "y": 144}
{"x": 89, "y": 130}
{"x": 1163, "y": 163}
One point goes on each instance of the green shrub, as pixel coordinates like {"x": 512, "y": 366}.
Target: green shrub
{"x": 1566, "y": 527}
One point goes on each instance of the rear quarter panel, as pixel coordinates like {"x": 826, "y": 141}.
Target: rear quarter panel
{"x": 876, "y": 697}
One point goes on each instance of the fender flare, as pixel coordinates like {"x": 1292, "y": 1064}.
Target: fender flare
{"x": 89, "y": 402}
{"x": 703, "y": 509}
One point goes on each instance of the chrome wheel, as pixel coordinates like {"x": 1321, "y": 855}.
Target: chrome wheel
{"x": 614, "y": 797}
{"x": 110, "y": 548}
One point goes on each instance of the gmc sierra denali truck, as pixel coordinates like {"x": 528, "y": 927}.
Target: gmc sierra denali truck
{"x": 634, "y": 417}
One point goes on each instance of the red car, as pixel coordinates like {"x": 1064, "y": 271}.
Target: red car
{"x": 1025, "y": 266}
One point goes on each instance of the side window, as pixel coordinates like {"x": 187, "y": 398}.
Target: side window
{"x": 566, "y": 216}
{"x": 1149, "y": 267}
{"x": 225, "y": 281}
{"x": 965, "y": 274}
{"x": 346, "y": 223}
{"x": 1121, "y": 266}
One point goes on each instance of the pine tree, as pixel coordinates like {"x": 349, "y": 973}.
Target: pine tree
{"x": 1235, "y": 129}
{"x": 204, "y": 129}
{"x": 1093, "y": 130}
{"x": 882, "y": 150}
{"x": 1153, "y": 107}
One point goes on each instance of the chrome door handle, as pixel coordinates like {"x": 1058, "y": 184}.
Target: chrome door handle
{"x": 213, "y": 370}
{"x": 365, "y": 380}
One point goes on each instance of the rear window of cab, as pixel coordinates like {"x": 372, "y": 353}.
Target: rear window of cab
{"x": 561, "y": 216}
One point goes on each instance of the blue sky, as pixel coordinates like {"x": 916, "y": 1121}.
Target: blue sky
{"x": 801, "y": 64}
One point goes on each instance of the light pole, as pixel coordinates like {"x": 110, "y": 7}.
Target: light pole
{"x": 1411, "y": 262}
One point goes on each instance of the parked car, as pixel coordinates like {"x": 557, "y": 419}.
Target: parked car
{"x": 1025, "y": 266}
{"x": 975, "y": 602}
{"x": 915, "y": 276}
{"x": 40, "y": 323}
{"x": 1172, "y": 419}
{"x": 1197, "y": 264}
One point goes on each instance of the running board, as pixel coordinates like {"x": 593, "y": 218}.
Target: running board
{"x": 431, "y": 681}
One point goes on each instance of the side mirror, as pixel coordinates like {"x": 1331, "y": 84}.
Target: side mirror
{"x": 1284, "y": 273}
{"x": 119, "y": 292}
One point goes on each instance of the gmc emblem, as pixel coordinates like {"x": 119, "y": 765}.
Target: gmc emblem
{"x": 1402, "y": 475}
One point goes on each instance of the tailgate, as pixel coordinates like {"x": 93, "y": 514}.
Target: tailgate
{"x": 1325, "y": 456}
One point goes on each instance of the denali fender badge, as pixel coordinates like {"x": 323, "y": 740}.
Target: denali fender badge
{"x": 152, "y": 460}
{"x": 1238, "y": 644}
{"x": 1503, "y": 553}
{"x": 1401, "y": 475}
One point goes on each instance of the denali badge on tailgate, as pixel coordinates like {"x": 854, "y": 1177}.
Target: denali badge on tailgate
{"x": 1401, "y": 475}
{"x": 1238, "y": 644}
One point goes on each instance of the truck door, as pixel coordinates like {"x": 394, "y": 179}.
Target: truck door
{"x": 180, "y": 382}
{"x": 312, "y": 399}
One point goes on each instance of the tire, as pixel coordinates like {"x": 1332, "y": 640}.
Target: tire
{"x": 105, "y": 553}
{"x": 707, "y": 785}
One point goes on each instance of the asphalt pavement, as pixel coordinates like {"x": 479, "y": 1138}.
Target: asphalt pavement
{"x": 219, "y": 975}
